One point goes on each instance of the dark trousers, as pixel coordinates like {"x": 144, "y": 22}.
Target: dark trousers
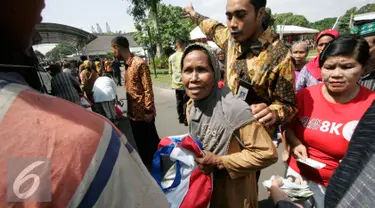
{"x": 181, "y": 102}
{"x": 147, "y": 139}
{"x": 117, "y": 77}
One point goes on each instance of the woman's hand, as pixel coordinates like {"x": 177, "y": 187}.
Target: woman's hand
{"x": 300, "y": 152}
{"x": 209, "y": 162}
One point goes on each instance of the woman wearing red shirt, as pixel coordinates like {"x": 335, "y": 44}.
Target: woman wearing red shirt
{"x": 328, "y": 113}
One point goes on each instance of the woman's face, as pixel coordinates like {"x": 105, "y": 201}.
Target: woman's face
{"x": 323, "y": 42}
{"x": 341, "y": 74}
{"x": 197, "y": 75}
{"x": 220, "y": 56}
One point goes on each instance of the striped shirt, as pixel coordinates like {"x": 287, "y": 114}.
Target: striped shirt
{"x": 91, "y": 162}
{"x": 353, "y": 183}
{"x": 368, "y": 81}
{"x": 65, "y": 86}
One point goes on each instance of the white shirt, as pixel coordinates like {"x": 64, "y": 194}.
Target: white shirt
{"x": 104, "y": 89}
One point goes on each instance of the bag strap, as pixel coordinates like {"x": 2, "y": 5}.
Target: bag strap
{"x": 156, "y": 167}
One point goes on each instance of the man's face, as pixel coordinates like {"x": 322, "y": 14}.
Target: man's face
{"x": 21, "y": 16}
{"x": 371, "y": 62}
{"x": 116, "y": 51}
{"x": 242, "y": 19}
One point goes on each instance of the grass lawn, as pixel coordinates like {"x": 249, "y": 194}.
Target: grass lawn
{"x": 312, "y": 54}
{"x": 162, "y": 78}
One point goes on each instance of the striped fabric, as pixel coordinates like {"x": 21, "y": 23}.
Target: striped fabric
{"x": 92, "y": 163}
{"x": 64, "y": 86}
{"x": 353, "y": 183}
{"x": 368, "y": 81}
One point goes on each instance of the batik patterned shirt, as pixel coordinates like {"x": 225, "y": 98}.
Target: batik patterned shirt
{"x": 266, "y": 64}
{"x": 138, "y": 85}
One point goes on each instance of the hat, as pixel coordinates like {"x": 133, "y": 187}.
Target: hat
{"x": 331, "y": 32}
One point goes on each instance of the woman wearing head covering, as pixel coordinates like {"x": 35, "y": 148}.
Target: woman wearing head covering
{"x": 328, "y": 113}
{"x": 98, "y": 66}
{"x": 310, "y": 75}
{"x": 105, "y": 96}
{"x": 299, "y": 51}
{"x": 235, "y": 144}
{"x": 108, "y": 67}
{"x": 88, "y": 78}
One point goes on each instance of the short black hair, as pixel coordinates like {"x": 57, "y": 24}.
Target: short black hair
{"x": 351, "y": 46}
{"x": 83, "y": 58}
{"x": 67, "y": 65}
{"x": 258, "y": 4}
{"x": 121, "y": 41}
{"x": 180, "y": 41}
{"x": 54, "y": 69}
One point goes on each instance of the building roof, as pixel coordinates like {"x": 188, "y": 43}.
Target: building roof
{"x": 102, "y": 45}
{"x": 57, "y": 33}
{"x": 292, "y": 29}
{"x": 366, "y": 16}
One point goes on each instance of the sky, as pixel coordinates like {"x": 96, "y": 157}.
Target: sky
{"x": 86, "y": 13}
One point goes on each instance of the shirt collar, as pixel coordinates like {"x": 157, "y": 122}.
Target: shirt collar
{"x": 258, "y": 46}
{"x": 368, "y": 74}
{"x": 129, "y": 61}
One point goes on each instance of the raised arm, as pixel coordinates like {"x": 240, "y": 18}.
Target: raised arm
{"x": 213, "y": 29}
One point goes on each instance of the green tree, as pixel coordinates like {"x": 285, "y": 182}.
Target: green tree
{"x": 291, "y": 19}
{"x": 60, "y": 51}
{"x": 366, "y": 9}
{"x": 323, "y": 24}
{"x": 171, "y": 27}
{"x": 138, "y": 10}
{"x": 344, "y": 25}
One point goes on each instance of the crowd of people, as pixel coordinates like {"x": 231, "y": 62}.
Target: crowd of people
{"x": 234, "y": 100}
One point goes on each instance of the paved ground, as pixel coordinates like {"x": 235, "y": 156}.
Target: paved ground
{"x": 167, "y": 125}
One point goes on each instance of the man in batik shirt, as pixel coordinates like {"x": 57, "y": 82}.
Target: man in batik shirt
{"x": 255, "y": 56}
{"x": 140, "y": 97}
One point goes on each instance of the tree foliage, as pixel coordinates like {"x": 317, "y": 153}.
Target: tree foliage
{"x": 172, "y": 26}
{"x": 323, "y": 24}
{"x": 291, "y": 19}
{"x": 60, "y": 51}
{"x": 139, "y": 9}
